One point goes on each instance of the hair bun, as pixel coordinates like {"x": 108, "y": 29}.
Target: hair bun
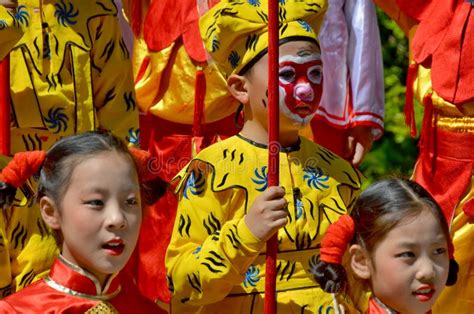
{"x": 7, "y": 194}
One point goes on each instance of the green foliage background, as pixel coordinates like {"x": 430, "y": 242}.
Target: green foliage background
{"x": 395, "y": 153}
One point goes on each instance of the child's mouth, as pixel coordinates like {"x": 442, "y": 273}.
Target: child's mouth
{"x": 303, "y": 109}
{"x": 424, "y": 294}
{"x": 114, "y": 247}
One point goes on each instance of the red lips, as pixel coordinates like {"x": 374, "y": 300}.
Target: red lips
{"x": 114, "y": 247}
{"x": 424, "y": 293}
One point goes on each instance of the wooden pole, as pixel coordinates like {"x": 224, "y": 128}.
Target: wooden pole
{"x": 273, "y": 148}
{"x": 5, "y": 106}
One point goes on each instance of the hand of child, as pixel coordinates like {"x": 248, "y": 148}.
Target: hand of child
{"x": 359, "y": 142}
{"x": 10, "y": 5}
{"x": 268, "y": 213}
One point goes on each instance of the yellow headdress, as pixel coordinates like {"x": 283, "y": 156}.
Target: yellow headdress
{"x": 235, "y": 32}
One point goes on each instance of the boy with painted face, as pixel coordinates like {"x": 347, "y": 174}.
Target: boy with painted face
{"x": 226, "y": 213}
{"x": 300, "y": 80}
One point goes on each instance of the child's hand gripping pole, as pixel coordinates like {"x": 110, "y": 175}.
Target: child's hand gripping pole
{"x": 273, "y": 149}
{"x": 5, "y": 106}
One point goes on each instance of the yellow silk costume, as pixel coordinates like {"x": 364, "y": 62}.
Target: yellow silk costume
{"x": 70, "y": 72}
{"x": 216, "y": 264}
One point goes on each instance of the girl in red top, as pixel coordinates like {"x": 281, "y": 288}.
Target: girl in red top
{"x": 89, "y": 192}
{"x": 400, "y": 248}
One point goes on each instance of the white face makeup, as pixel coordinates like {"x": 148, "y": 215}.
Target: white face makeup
{"x": 300, "y": 80}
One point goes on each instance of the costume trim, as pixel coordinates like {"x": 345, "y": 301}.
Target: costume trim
{"x": 103, "y": 297}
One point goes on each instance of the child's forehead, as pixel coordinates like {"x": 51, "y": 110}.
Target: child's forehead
{"x": 299, "y": 59}
{"x": 299, "y": 48}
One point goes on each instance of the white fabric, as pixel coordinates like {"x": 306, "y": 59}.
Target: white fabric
{"x": 351, "y": 54}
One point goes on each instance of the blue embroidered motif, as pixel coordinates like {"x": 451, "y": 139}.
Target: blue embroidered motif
{"x": 57, "y": 120}
{"x": 252, "y": 276}
{"x": 261, "y": 179}
{"x": 64, "y": 14}
{"x": 133, "y": 136}
{"x": 22, "y": 15}
{"x": 194, "y": 185}
{"x": 315, "y": 177}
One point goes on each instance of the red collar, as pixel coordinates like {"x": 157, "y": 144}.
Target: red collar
{"x": 73, "y": 280}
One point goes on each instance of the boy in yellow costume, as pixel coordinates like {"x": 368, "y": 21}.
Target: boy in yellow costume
{"x": 70, "y": 72}
{"x": 216, "y": 258}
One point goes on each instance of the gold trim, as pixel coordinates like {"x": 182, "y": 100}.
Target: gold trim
{"x": 455, "y": 124}
{"x": 53, "y": 284}
{"x": 99, "y": 296}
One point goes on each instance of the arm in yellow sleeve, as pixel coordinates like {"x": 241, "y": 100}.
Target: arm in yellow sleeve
{"x": 211, "y": 247}
{"x": 9, "y": 32}
{"x": 112, "y": 82}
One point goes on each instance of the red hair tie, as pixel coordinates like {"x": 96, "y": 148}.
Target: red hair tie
{"x": 336, "y": 239}
{"x": 22, "y": 167}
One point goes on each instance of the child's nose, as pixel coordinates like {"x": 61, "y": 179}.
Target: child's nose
{"x": 426, "y": 271}
{"x": 116, "y": 218}
{"x": 304, "y": 92}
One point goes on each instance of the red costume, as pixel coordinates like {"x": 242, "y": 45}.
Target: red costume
{"x": 441, "y": 76}
{"x": 70, "y": 289}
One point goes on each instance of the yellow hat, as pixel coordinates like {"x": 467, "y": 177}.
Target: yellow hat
{"x": 235, "y": 32}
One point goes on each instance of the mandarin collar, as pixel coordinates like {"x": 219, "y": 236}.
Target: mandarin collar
{"x": 292, "y": 148}
{"x": 383, "y": 307}
{"x": 71, "y": 279}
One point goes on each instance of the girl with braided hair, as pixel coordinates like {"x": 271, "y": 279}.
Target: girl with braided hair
{"x": 399, "y": 247}
{"x": 90, "y": 194}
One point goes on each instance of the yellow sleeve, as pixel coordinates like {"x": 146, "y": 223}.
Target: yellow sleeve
{"x": 210, "y": 248}
{"x": 112, "y": 81}
{"x": 9, "y": 32}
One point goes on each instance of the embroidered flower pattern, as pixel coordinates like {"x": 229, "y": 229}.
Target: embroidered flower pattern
{"x": 315, "y": 178}
{"x": 22, "y": 15}
{"x": 255, "y": 3}
{"x": 194, "y": 184}
{"x": 65, "y": 14}
{"x": 234, "y": 59}
{"x": 252, "y": 276}
{"x": 305, "y": 26}
{"x": 56, "y": 120}
{"x": 261, "y": 178}
{"x": 299, "y": 209}
{"x": 133, "y": 136}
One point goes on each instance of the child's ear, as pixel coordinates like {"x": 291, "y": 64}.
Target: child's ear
{"x": 49, "y": 212}
{"x": 360, "y": 261}
{"x": 238, "y": 89}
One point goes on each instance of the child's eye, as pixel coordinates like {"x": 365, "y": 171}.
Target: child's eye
{"x": 407, "y": 254}
{"x": 287, "y": 74}
{"x": 315, "y": 74}
{"x": 440, "y": 251}
{"x": 95, "y": 203}
{"x": 132, "y": 201}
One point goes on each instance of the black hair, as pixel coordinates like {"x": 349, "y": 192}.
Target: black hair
{"x": 62, "y": 157}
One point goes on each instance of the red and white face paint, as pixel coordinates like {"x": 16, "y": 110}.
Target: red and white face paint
{"x": 301, "y": 86}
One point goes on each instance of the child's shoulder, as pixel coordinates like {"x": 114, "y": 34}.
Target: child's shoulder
{"x": 319, "y": 157}
{"x": 225, "y": 154}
